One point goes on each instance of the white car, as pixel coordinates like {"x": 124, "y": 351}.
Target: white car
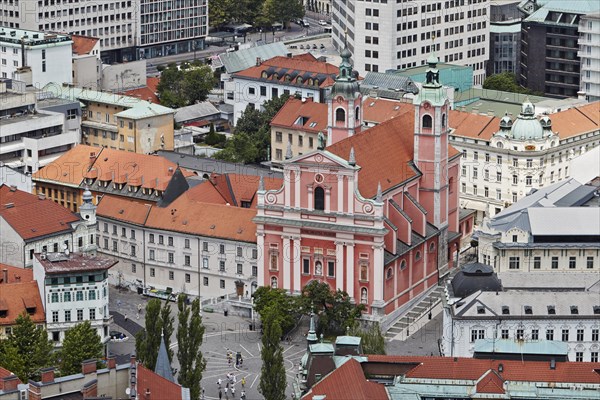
{"x": 322, "y": 22}
{"x": 305, "y": 23}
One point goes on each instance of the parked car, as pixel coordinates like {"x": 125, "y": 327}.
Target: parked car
{"x": 322, "y": 22}
{"x": 305, "y": 23}
{"x": 322, "y": 46}
{"x": 314, "y": 46}
{"x": 116, "y": 336}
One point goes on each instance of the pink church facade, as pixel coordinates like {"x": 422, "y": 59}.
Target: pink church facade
{"x": 375, "y": 213}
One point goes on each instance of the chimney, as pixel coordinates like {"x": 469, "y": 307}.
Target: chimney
{"x": 170, "y": 171}
{"x": 13, "y": 188}
{"x": 147, "y": 394}
{"x": 90, "y": 389}
{"x": 25, "y": 75}
{"x": 41, "y": 196}
{"x": 88, "y": 366}
{"x": 258, "y": 61}
{"x": 47, "y": 375}
{"x": 111, "y": 362}
{"x": 9, "y": 383}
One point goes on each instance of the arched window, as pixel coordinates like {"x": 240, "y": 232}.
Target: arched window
{"x": 431, "y": 247}
{"x": 340, "y": 115}
{"x": 427, "y": 121}
{"x": 390, "y": 273}
{"x": 364, "y": 296}
{"x": 402, "y": 265}
{"x": 344, "y": 72}
{"x": 357, "y": 114}
{"x": 418, "y": 256}
{"x": 443, "y": 120}
{"x": 274, "y": 282}
{"x": 319, "y": 198}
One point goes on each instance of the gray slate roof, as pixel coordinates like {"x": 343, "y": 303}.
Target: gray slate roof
{"x": 390, "y": 86}
{"x": 240, "y": 60}
{"x": 195, "y": 112}
{"x": 163, "y": 366}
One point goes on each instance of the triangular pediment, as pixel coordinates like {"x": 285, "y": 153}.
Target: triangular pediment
{"x": 320, "y": 157}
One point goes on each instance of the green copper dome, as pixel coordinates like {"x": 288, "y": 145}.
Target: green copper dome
{"x": 526, "y": 126}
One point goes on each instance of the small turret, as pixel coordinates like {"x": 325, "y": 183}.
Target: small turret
{"x": 311, "y": 338}
{"x": 87, "y": 210}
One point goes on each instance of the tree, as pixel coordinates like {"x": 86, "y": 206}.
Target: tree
{"x": 282, "y": 11}
{"x": 182, "y": 87}
{"x": 336, "y": 312}
{"x": 81, "y": 343}
{"x": 213, "y": 138}
{"x": 372, "y": 340}
{"x": 506, "y": 82}
{"x": 189, "y": 339}
{"x": 27, "y": 349}
{"x": 272, "y": 376}
{"x": 158, "y": 322}
{"x": 266, "y": 296}
{"x": 252, "y": 135}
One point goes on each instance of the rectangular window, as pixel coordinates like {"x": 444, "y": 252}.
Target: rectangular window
{"x": 186, "y": 243}
{"x": 205, "y": 263}
{"x": 549, "y": 334}
{"x": 475, "y": 172}
{"x": 188, "y": 278}
{"x": 240, "y": 269}
{"x": 222, "y": 283}
{"x": 537, "y": 262}
{"x": 535, "y": 334}
{"x": 54, "y": 316}
{"x": 79, "y": 315}
{"x": 151, "y": 238}
{"x": 580, "y": 335}
{"x": 595, "y": 334}
{"x": 331, "y": 268}
{"x": 171, "y": 258}
{"x": 520, "y": 334}
{"x": 565, "y": 335}
{"x": 554, "y": 263}
{"x": 590, "y": 262}
{"x": 187, "y": 260}
{"x": 171, "y": 275}
{"x": 221, "y": 249}
{"x": 92, "y": 313}
{"x": 572, "y": 262}
{"x": 239, "y": 251}
{"x": 504, "y": 333}
{"x": 152, "y": 272}
{"x": 161, "y": 239}
{"x": 132, "y": 234}
{"x": 514, "y": 262}
{"x": 133, "y": 250}
{"x": 133, "y": 269}
{"x": 170, "y": 241}
{"x": 205, "y": 281}
{"x": 254, "y": 270}
{"x": 115, "y": 246}
{"x": 204, "y": 246}
{"x": 221, "y": 265}
{"x": 579, "y": 356}
{"x": 67, "y": 315}
{"x": 152, "y": 255}
{"x": 594, "y": 356}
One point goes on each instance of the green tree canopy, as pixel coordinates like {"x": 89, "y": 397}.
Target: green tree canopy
{"x": 282, "y": 11}
{"x": 27, "y": 349}
{"x": 252, "y": 134}
{"x": 265, "y": 297}
{"x": 147, "y": 341}
{"x": 506, "y": 82}
{"x": 336, "y": 312}
{"x": 372, "y": 340}
{"x": 81, "y": 343}
{"x": 272, "y": 377}
{"x": 182, "y": 87}
{"x": 189, "y": 339}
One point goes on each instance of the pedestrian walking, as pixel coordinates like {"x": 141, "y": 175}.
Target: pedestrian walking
{"x": 119, "y": 304}
{"x": 219, "y": 382}
{"x": 233, "y": 391}
{"x": 125, "y": 317}
{"x": 234, "y": 379}
{"x": 202, "y": 395}
{"x": 220, "y": 394}
{"x": 229, "y": 361}
{"x": 243, "y": 395}
{"x": 140, "y": 308}
{"x": 243, "y": 383}
{"x": 226, "y": 389}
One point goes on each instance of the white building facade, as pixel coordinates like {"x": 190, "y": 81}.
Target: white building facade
{"x": 48, "y": 55}
{"x": 589, "y": 53}
{"x": 522, "y": 155}
{"x": 523, "y": 316}
{"x": 74, "y": 289}
{"x": 401, "y": 34}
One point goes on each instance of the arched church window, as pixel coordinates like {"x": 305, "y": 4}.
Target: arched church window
{"x": 427, "y": 121}
{"x": 402, "y": 265}
{"x": 343, "y": 72}
{"x": 364, "y": 296}
{"x": 357, "y": 113}
{"x": 274, "y": 282}
{"x": 319, "y": 198}
{"x": 443, "y": 120}
{"x": 390, "y": 273}
{"x": 340, "y": 115}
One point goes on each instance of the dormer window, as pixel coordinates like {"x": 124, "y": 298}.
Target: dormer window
{"x": 480, "y": 310}
{"x": 528, "y": 310}
{"x": 596, "y": 310}
{"x": 505, "y": 310}
{"x": 264, "y": 75}
{"x": 299, "y": 80}
{"x": 574, "y": 310}
{"x": 310, "y": 81}
{"x": 551, "y": 310}
{"x": 316, "y": 82}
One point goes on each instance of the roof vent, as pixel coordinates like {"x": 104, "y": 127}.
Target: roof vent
{"x": 9, "y": 205}
{"x": 553, "y": 364}
{"x": 500, "y": 367}
{"x": 13, "y": 188}
{"x": 213, "y": 226}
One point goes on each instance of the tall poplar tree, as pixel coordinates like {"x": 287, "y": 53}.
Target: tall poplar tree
{"x": 189, "y": 339}
{"x": 158, "y": 321}
{"x": 272, "y": 376}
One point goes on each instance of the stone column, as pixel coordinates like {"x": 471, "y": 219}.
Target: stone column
{"x": 350, "y": 269}
{"x": 311, "y": 204}
{"x": 327, "y": 199}
{"x": 339, "y": 265}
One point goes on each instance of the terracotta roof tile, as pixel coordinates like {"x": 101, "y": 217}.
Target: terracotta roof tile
{"x": 383, "y": 153}
{"x": 281, "y": 65}
{"x": 143, "y": 93}
{"x": 314, "y": 115}
{"x": 575, "y": 121}
{"x": 473, "y": 125}
{"x": 83, "y": 44}
{"x": 14, "y": 296}
{"x": 231, "y": 189}
{"x": 31, "y": 217}
{"x": 513, "y": 370}
{"x": 152, "y": 83}
{"x": 70, "y": 167}
{"x": 16, "y": 274}
{"x": 491, "y": 383}
{"x": 122, "y": 209}
{"x": 380, "y": 110}
{"x": 347, "y": 382}
{"x": 4, "y": 373}
{"x": 156, "y": 386}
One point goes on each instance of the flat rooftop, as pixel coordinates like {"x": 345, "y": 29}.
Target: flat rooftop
{"x": 61, "y": 263}
{"x": 32, "y": 38}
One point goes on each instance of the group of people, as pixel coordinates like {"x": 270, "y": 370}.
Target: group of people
{"x": 230, "y": 382}
{"x": 238, "y": 359}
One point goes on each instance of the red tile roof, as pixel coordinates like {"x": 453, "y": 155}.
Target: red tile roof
{"x": 152, "y": 83}
{"x": 347, "y": 382}
{"x": 143, "y": 93}
{"x": 491, "y": 383}
{"x": 577, "y": 120}
{"x": 281, "y": 66}
{"x": 156, "y": 386}
{"x": 15, "y": 296}
{"x": 83, "y": 44}
{"x": 78, "y": 163}
{"x": 512, "y": 370}
{"x": 380, "y": 110}
{"x": 16, "y": 274}
{"x": 383, "y": 153}
{"x": 314, "y": 116}
{"x": 31, "y": 217}
{"x": 122, "y": 209}
{"x": 473, "y": 125}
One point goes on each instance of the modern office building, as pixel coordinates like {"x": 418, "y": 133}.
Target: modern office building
{"x": 589, "y": 53}
{"x": 128, "y": 30}
{"x": 401, "y": 34}
{"x": 549, "y": 43}
{"x": 505, "y": 38}
{"x": 32, "y": 137}
{"x": 47, "y": 54}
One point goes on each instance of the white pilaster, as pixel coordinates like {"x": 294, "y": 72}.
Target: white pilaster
{"x": 351, "y": 195}
{"x": 296, "y": 263}
{"x": 340, "y": 193}
{"x": 378, "y": 272}
{"x": 260, "y": 246}
{"x": 327, "y": 199}
{"x": 350, "y": 269}
{"x": 286, "y": 177}
{"x": 311, "y": 204}
{"x": 287, "y": 251}
{"x": 297, "y": 188}
{"x": 339, "y": 265}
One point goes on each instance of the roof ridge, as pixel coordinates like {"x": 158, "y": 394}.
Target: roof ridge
{"x": 588, "y": 118}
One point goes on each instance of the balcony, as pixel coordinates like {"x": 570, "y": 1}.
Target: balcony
{"x": 99, "y": 125}
{"x": 21, "y": 124}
